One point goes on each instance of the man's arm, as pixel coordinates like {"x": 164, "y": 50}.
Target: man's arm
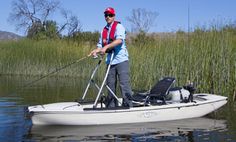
{"x": 110, "y": 46}
{"x": 103, "y": 50}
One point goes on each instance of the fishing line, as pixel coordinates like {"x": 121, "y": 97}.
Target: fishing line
{"x": 55, "y": 71}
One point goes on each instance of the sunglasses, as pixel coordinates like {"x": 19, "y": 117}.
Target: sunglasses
{"x": 110, "y": 15}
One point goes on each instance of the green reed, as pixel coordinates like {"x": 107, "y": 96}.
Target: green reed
{"x": 207, "y": 58}
{"x": 28, "y": 57}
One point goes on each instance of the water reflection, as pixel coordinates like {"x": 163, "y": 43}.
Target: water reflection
{"x": 13, "y": 123}
{"x": 50, "y": 90}
{"x": 181, "y": 130}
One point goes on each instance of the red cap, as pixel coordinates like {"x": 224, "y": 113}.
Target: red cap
{"x": 110, "y": 10}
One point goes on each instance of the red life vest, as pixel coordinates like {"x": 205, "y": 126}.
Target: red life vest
{"x": 111, "y": 35}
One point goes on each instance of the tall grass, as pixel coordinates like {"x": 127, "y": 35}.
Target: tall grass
{"x": 207, "y": 58}
{"x": 28, "y": 57}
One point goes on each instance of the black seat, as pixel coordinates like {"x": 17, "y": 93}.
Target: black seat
{"x": 158, "y": 92}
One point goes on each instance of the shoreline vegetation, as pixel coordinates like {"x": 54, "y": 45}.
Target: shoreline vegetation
{"x": 205, "y": 57}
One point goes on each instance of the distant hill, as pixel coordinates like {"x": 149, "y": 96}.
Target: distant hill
{"x": 9, "y": 36}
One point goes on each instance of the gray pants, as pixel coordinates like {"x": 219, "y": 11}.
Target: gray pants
{"x": 119, "y": 71}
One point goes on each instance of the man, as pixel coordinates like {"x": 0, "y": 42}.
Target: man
{"x": 112, "y": 39}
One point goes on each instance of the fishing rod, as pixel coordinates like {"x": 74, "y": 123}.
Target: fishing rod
{"x": 55, "y": 71}
{"x": 188, "y": 40}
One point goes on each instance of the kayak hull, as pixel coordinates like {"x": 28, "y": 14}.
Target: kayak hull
{"x": 73, "y": 113}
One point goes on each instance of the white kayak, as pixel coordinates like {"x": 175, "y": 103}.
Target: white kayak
{"x": 74, "y": 113}
{"x": 161, "y": 103}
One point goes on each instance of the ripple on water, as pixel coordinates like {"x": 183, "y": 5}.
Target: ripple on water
{"x": 14, "y": 124}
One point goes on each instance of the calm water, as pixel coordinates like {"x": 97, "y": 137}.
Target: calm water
{"x": 15, "y": 125}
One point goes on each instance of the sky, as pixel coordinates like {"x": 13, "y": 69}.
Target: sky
{"x": 172, "y": 14}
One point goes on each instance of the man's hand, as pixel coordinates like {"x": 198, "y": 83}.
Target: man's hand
{"x": 103, "y": 50}
{"x": 94, "y": 52}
